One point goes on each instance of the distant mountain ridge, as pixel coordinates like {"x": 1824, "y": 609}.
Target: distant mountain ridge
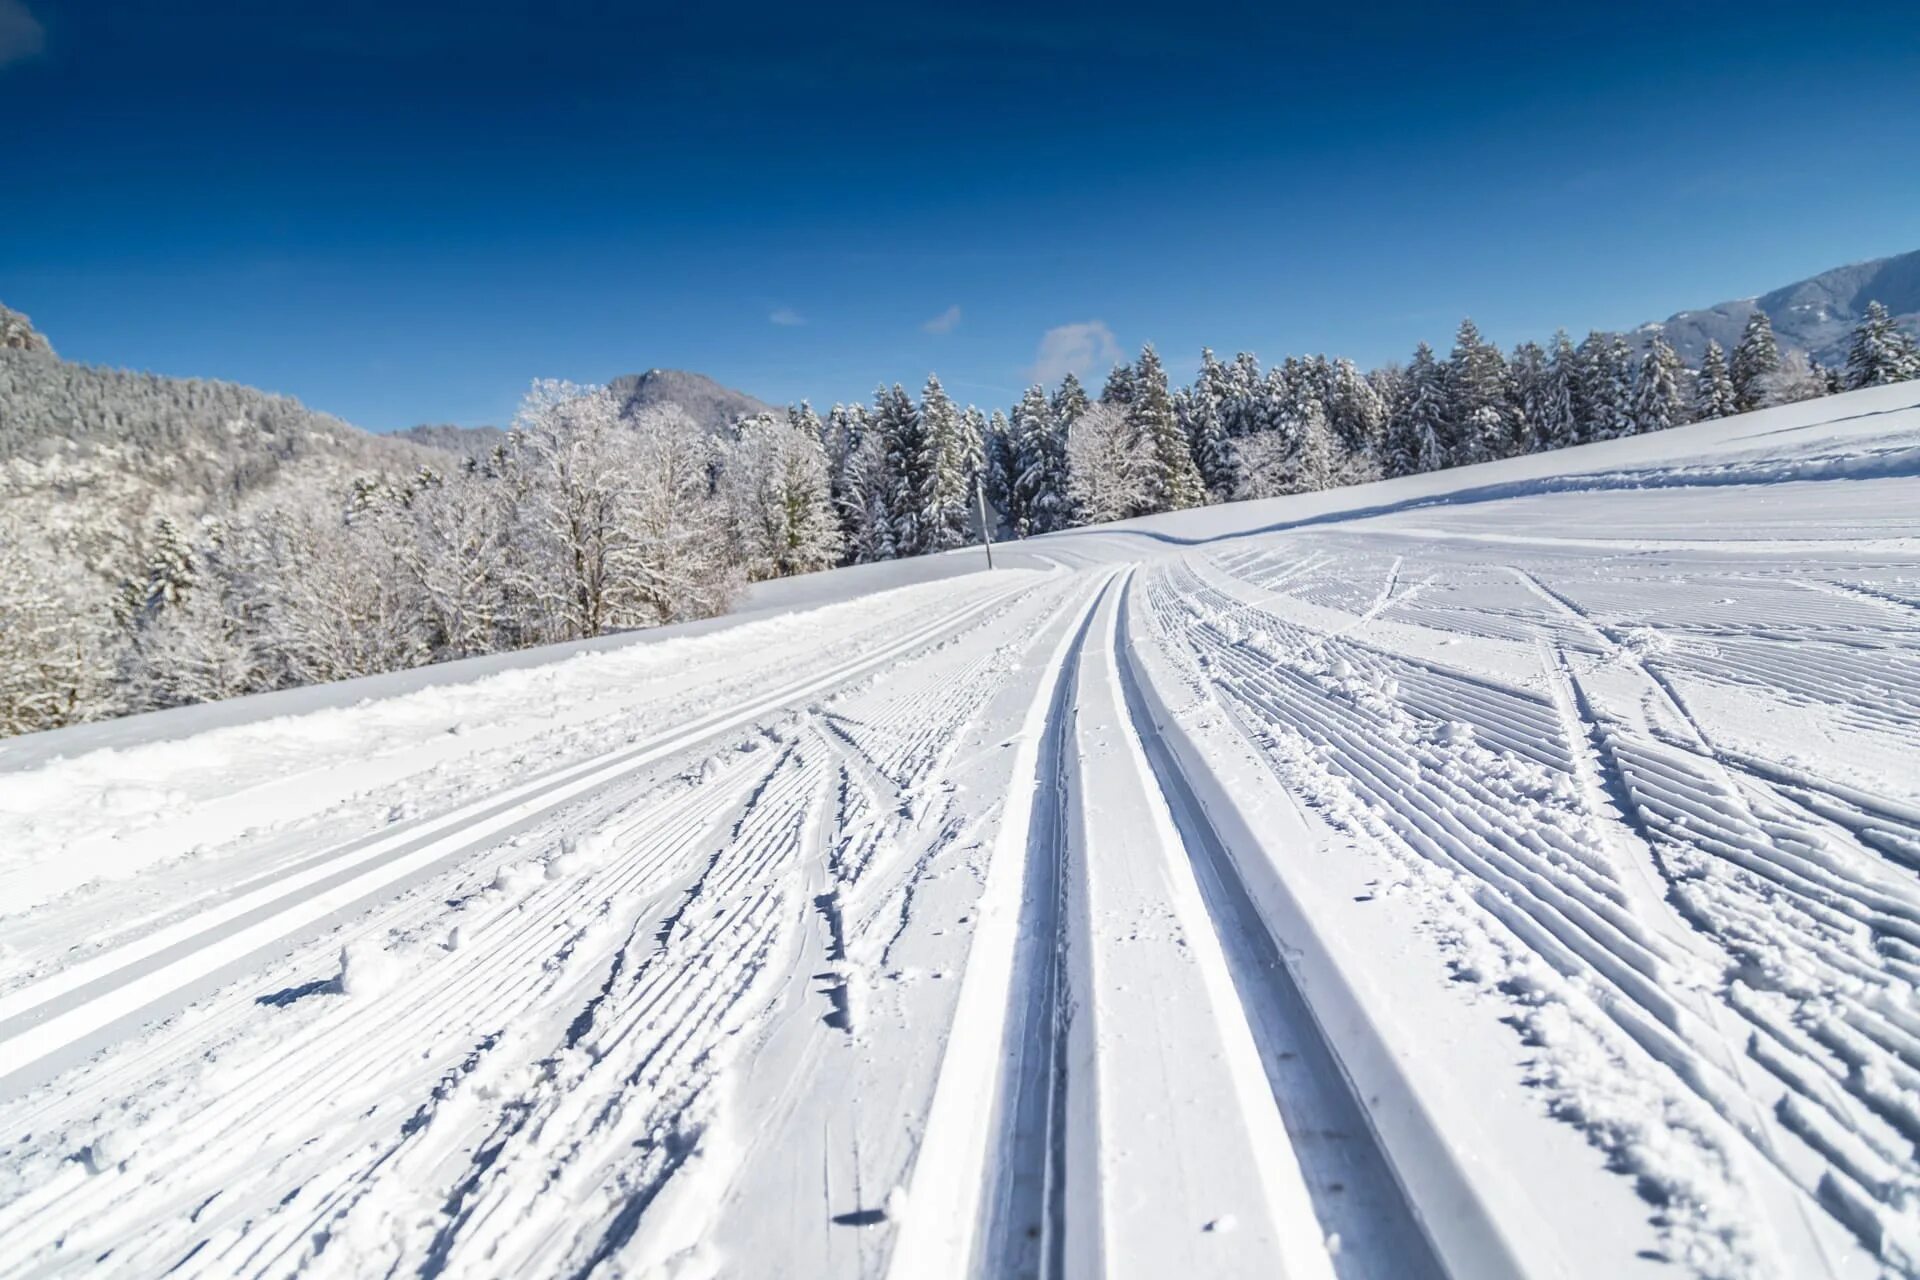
{"x": 1816, "y": 315}
{"x": 713, "y": 406}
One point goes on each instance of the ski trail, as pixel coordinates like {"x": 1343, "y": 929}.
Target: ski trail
{"x": 45, "y": 1018}
{"x": 949, "y": 1179}
{"x": 1347, "y": 1171}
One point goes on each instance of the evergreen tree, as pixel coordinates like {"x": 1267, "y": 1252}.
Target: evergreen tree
{"x": 1880, "y": 353}
{"x": 171, "y": 568}
{"x": 1207, "y": 437}
{"x": 997, "y": 469}
{"x": 1659, "y": 398}
{"x": 1040, "y": 466}
{"x": 1605, "y": 387}
{"x": 1713, "y": 395}
{"x": 1241, "y": 401}
{"x": 1121, "y": 386}
{"x": 953, "y": 453}
{"x": 1756, "y": 359}
{"x": 1418, "y": 425}
{"x": 1532, "y": 382}
{"x": 1172, "y": 483}
{"x": 911, "y": 458}
{"x": 1479, "y": 411}
{"x": 1070, "y": 401}
{"x": 1355, "y": 411}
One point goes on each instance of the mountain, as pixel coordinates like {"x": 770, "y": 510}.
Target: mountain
{"x": 714, "y": 407}
{"x": 18, "y": 334}
{"x": 470, "y": 442}
{"x": 1815, "y": 315}
{"x": 95, "y": 457}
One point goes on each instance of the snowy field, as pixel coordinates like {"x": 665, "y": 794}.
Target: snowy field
{"x": 1513, "y": 871}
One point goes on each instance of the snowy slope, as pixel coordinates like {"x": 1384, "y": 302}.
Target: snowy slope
{"x": 1512, "y": 871}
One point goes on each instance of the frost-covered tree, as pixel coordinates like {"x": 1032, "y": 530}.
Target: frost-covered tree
{"x": 866, "y": 503}
{"x": 1659, "y": 393}
{"x": 1170, "y": 481}
{"x": 911, "y": 459}
{"x": 1105, "y": 476}
{"x": 1419, "y": 423}
{"x": 1880, "y": 353}
{"x": 1070, "y": 401}
{"x": 1552, "y": 413}
{"x": 997, "y": 469}
{"x": 1755, "y": 359}
{"x": 1605, "y": 387}
{"x": 1043, "y": 496}
{"x": 1795, "y": 377}
{"x": 954, "y": 462}
{"x": 779, "y": 499}
{"x": 56, "y": 646}
{"x": 1479, "y": 403}
{"x": 1120, "y": 388}
{"x": 1207, "y": 439}
{"x": 1713, "y": 394}
{"x": 1355, "y": 411}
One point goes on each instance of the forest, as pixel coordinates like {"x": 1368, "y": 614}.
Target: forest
{"x": 312, "y": 552}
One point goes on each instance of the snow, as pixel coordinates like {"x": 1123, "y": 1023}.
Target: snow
{"x": 1507, "y": 871}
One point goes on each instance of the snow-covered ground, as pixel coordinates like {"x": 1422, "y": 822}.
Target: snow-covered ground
{"x": 1512, "y": 871}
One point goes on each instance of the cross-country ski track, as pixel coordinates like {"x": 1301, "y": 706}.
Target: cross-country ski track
{"x": 1513, "y": 871}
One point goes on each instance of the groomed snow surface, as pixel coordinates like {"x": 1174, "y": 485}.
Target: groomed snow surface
{"x": 1508, "y": 872}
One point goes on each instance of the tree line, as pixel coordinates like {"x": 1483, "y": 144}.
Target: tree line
{"x": 586, "y": 521}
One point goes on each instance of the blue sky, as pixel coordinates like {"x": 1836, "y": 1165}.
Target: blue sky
{"x": 403, "y": 214}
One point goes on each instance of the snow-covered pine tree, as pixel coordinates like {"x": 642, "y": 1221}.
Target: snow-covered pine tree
{"x": 1354, "y": 410}
{"x": 1070, "y": 401}
{"x": 1479, "y": 403}
{"x": 1207, "y": 435}
{"x": 1418, "y": 425}
{"x": 866, "y": 502}
{"x": 997, "y": 471}
{"x": 1040, "y": 460}
{"x": 1605, "y": 387}
{"x": 1880, "y": 352}
{"x": 1755, "y": 359}
{"x": 911, "y": 459}
{"x": 171, "y": 568}
{"x": 1121, "y": 385}
{"x": 779, "y": 499}
{"x": 1241, "y": 405}
{"x": 1713, "y": 395}
{"x": 954, "y": 458}
{"x": 1659, "y": 394}
{"x": 1531, "y": 378}
{"x": 1171, "y": 482}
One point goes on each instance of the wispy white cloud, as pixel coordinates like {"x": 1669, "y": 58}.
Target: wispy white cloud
{"x": 1079, "y": 349}
{"x": 946, "y": 322}
{"x": 21, "y": 35}
{"x": 786, "y": 316}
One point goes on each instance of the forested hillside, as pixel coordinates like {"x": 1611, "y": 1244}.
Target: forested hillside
{"x": 167, "y": 541}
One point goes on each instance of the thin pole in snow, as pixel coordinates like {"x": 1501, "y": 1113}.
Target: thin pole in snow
{"x": 986, "y": 535}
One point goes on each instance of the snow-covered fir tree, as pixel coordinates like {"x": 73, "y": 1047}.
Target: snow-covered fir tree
{"x": 1659, "y": 393}
{"x": 779, "y": 498}
{"x": 1207, "y": 439}
{"x": 1755, "y": 359}
{"x": 1120, "y": 387}
{"x": 1880, "y": 353}
{"x": 1479, "y": 404}
{"x": 1042, "y": 499}
{"x": 1418, "y": 427}
{"x": 953, "y": 462}
{"x": 1069, "y": 400}
{"x": 911, "y": 462}
{"x": 1355, "y": 411}
{"x": 1713, "y": 394}
{"x": 1171, "y": 481}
